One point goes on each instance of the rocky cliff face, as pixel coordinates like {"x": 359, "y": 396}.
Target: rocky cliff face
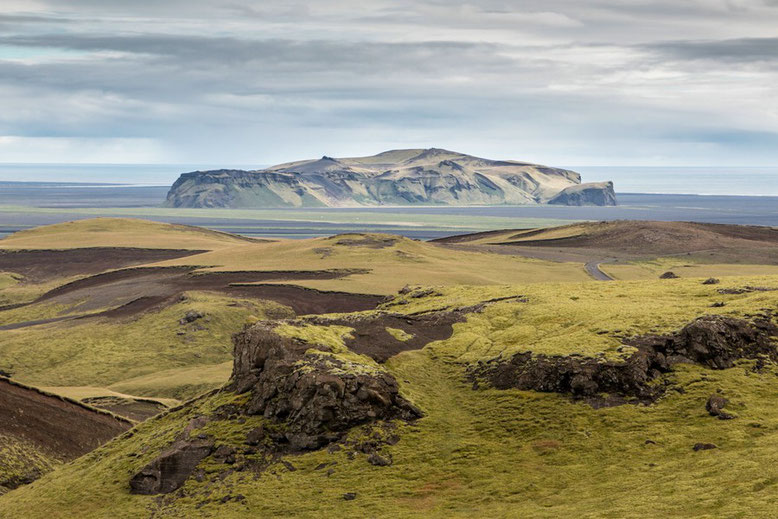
{"x": 400, "y": 177}
{"x": 595, "y": 193}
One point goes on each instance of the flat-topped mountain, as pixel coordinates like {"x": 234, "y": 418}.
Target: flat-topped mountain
{"x": 398, "y": 177}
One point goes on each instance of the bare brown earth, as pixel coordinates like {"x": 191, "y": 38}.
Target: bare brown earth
{"x": 623, "y": 240}
{"x": 131, "y": 291}
{"x": 370, "y": 336}
{"x": 63, "y": 429}
{"x": 44, "y": 265}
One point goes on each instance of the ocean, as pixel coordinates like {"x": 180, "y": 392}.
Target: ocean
{"x": 743, "y": 181}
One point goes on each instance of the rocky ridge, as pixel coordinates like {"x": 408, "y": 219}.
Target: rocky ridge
{"x": 713, "y": 341}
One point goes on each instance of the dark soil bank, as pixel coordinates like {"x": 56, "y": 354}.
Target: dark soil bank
{"x": 61, "y": 428}
{"x": 43, "y": 265}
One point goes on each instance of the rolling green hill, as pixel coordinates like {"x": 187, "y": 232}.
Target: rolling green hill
{"x": 477, "y": 450}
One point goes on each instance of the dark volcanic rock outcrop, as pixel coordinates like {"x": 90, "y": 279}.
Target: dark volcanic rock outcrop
{"x": 399, "y": 177}
{"x": 307, "y": 397}
{"x": 318, "y": 396}
{"x": 171, "y": 468}
{"x": 712, "y": 341}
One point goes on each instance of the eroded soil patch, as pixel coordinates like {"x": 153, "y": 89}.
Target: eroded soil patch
{"x": 61, "y": 428}
{"x": 132, "y": 291}
{"x": 382, "y": 336}
{"x": 38, "y": 266}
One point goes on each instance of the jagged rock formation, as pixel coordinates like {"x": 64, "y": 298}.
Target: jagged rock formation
{"x": 307, "y": 396}
{"x": 713, "y": 341}
{"x": 318, "y": 396}
{"x": 399, "y": 177}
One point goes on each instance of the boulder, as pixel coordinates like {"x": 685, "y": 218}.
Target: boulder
{"x": 168, "y": 471}
{"x": 715, "y": 407}
{"x": 717, "y": 341}
{"x": 190, "y": 317}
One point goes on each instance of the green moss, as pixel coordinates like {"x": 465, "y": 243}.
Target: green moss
{"x": 110, "y": 352}
{"x": 491, "y": 453}
{"x": 20, "y": 459}
{"x": 400, "y": 335}
{"x": 327, "y": 342}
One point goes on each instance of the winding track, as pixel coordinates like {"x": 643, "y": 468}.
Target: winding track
{"x": 593, "y": 269}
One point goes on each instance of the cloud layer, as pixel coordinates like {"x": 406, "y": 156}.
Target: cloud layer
{"x": 607, "y": 82}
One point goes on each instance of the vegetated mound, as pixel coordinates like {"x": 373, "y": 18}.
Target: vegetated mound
{"x": 399, "y": 177}
{"x": 121, "y": 232}
{"x": 286, "y": 396}
{"x": 39, "y": 430}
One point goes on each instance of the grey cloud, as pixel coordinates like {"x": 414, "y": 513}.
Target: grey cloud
{"x": 735, "y": 50}
{"x": 223, "y": 79}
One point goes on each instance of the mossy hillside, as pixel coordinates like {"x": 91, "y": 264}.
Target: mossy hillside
{"x": 34, "y": 312}
{"x": 8, "y": 279}
{"x": 103, "y": 352}
{"x": 390, "y": 264}
{"x": 20, "y": 460}
{"x": 176, "y": 383}
{"x": 588, "y": 319}
{"x": 483, "y": 453}
{"x": 486, "y": 452}
{"x": 15, "y": 289}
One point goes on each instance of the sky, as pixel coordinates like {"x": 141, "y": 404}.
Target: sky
{"x": 565, "y": 82}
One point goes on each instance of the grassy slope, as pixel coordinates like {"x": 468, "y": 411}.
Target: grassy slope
{"x": 118, "y": 232}
{"x": 20, "y": 458}
{"x": 108, "y": 352}
{"x": 684, "y": 267}
{"x": 495, "y": 453}
{"x": 405, "y": 262}
{"x": 146, "y": 357}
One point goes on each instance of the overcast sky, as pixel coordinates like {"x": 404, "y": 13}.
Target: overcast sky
{"x": 568, "y": 82}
